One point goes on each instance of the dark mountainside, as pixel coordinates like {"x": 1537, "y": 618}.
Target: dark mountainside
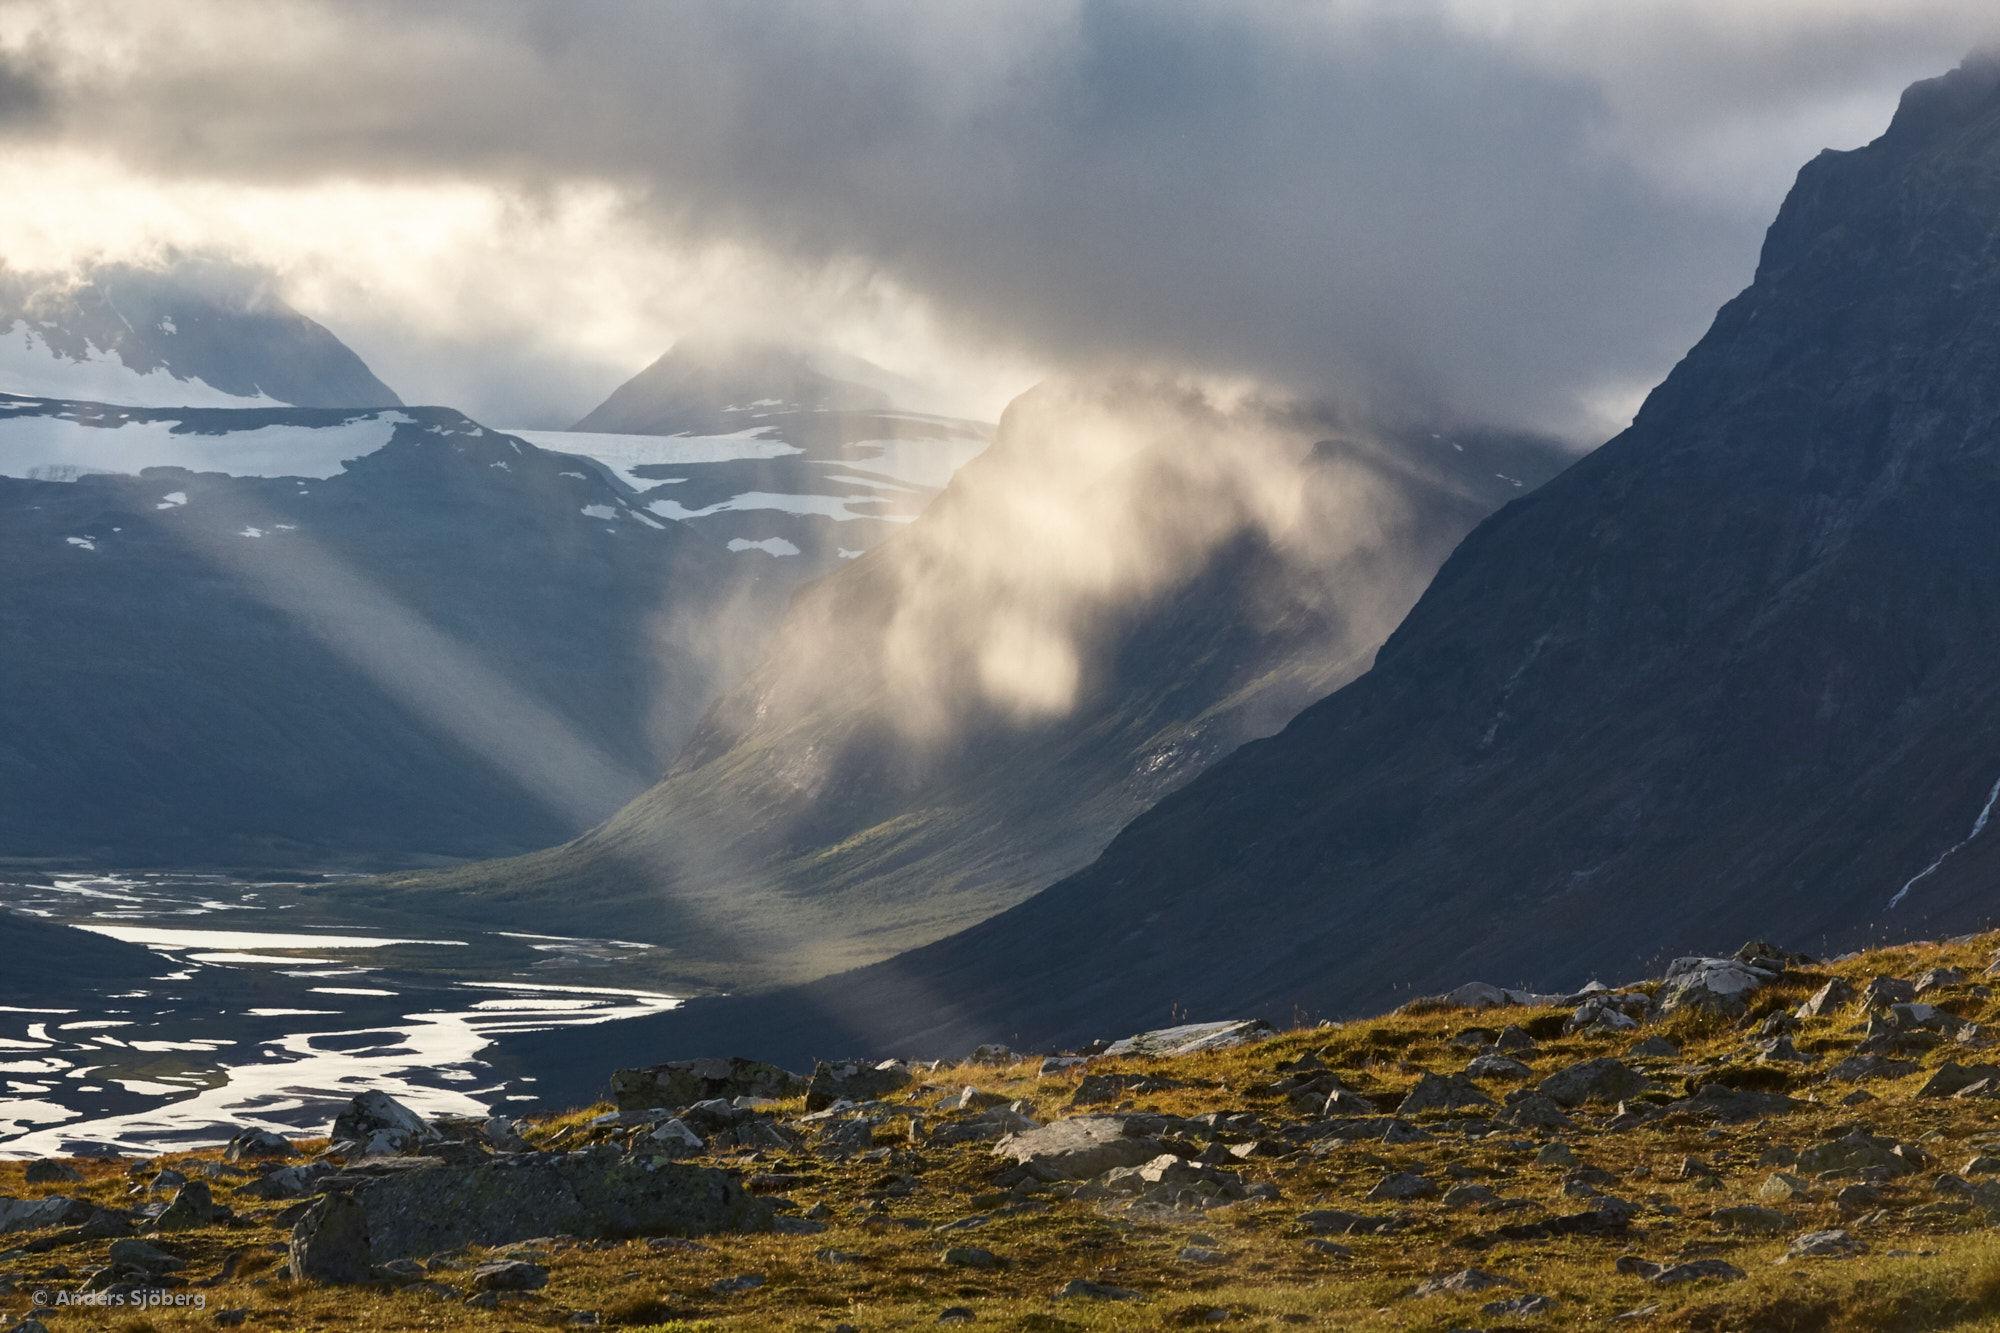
{"x": 45, "y": 959}
{"x": 434, "y": 652}
{"x": 1729, "y": 676}
{"x": 871, "y": 786}
{"x": 712, "y": 388}
{"x": 214, "y": 325}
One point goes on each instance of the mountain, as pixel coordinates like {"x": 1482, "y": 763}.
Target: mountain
{"x": 285, "y": 636}
{"x": 1730, "y": 675}
{"x": 757, "y": 446}
{"x": 45, "y": 959}
{"x": 709, "y": 387}
{"x": 1129, "y": 584}
{"x": 196, "y": 335}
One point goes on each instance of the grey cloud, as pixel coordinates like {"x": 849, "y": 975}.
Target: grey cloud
{"x": 1377, "y": 199}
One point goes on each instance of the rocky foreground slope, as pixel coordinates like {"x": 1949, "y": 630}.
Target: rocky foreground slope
{"x": 1759, "y": 1141}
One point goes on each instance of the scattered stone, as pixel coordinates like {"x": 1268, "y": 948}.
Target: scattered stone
{"x": 509, "y": 1275}
{"x": 1734, "y": 1105}
{"x": 257, "y": 1144}
{"x": 1781, "y": 1188}
{"x": 1981, "y": 1165}
{"x": 1751, "y": 1220}
{"x": 193, "y": 1206}
{"x": 1465, "y": 1282}
{"x": 1519, "y": 1307}
{"x": 1095, "y": 1291}
{"x": 1939, "y": 976}
{"x": 1528, "y": 1109}
{"x": 1654, "y": 1048}
{"x": 1469, "y": 1196}
{"x": 675, "y": 1139}
{"x": 1602, "y": 1014}
{"x": 1780, "y": 1050}
{"x": 970, "y": 1098}
{"x": 1402, "y": 1186}
{"x": 1082, "y": 1146}
{"x": 1557, "y": 1154}
{"x": 1196, "y": 1254}
{"x": 330, "y": 1243}
{"x": 969, "y": 1257}
{"x": 1856, "y": 1198}
{"x": 956, "y": 1314}
{"x": 736, "y": 1286}
{"x": 1436, "y": 1092}
{"x": 1513, "y": 1038}
{"x": 287, "y": 1182}
{"x": 1479, "y": 995}
{"x": 1953, "y": 1078}
{"x": 591, "y": 1196}
{"x": 1856, "y": 1068}
{"x": 130, "y": 1253}
{"x": 837, "y": 1256}
{"x": 1666, "y": 1275}
{"x": 1329, "y": 1247}
{"x": 1884, "y": 991}
{"x": 1829, "y": 999}
{"x": 1825, "y": 1245}
{"x": 379, "y": 1126}
{"x": 1096, "y": 1089}
{"x": 1858, "y": 1151}
{"x": 1600, "y": 1080}
{"x": 48, "y": 1171}
{"x": 854, "y": 1081}
{"x": 1714, "y": 985}
{"x": 1495, "y": 1065}
{"x": 1191, "y": 1038}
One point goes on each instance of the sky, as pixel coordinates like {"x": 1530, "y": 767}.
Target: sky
{"x": 1509, "y": 211}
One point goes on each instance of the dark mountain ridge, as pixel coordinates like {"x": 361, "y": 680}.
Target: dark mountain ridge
{"x": 1728, "y": 676}
{"x": 288, "y": 636}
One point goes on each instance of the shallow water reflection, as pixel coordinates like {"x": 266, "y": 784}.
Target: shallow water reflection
{"x": 233, "y": 1035}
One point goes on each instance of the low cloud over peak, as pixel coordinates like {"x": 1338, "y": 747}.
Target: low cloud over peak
{"x": 1519, "y": 212}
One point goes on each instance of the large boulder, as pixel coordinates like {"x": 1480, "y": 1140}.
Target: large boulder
{"x": 331, "y": 1242}
{"x": 48, "y": 1171}
{"x": 193, "y": 1207}
{"x": 1857, "y": 1152}
{"x": 1434, "y": 1092}
{"x": 1191, "y": 1038}
{"x": 34, "y": 1214}
{"x": 589, "y": 1195}
{"x": 1715, "y": 985}
{"x": 1600, "y": 1080}
{"x": 854, "y": 1081}
{"x": 680, "y": 1083}
{"x": 1082, "y": 1146}
{"x": 251, "y": 1144}
{"x": 379, "y": 1126}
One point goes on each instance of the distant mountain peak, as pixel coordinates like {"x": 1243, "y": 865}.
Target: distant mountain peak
{"x": 713, "y": 385}
{"x": 195, "y": 335}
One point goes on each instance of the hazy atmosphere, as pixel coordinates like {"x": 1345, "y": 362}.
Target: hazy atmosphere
{"x": 706, "y": 666}
{"x": 1518, "y": 212}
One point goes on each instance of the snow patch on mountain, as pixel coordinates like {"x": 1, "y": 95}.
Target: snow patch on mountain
{"x": 827, "y": 506}
{"x": 623, "y": 453}
{"x": 30, "y": 366}
{"x": 51, "y": 448}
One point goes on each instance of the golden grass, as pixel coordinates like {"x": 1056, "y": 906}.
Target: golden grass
{"x": 1947, "y": 1278}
